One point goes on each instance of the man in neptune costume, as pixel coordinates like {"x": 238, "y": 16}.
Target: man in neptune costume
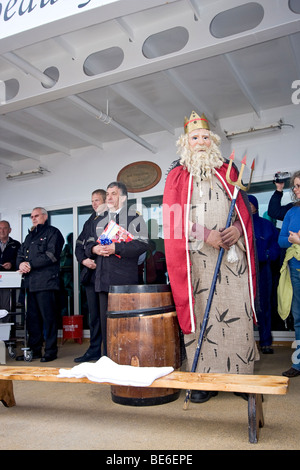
{"x": 196, "y": 204}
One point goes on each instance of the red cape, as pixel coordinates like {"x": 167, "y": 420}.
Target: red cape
{"x": 176, "y": 200}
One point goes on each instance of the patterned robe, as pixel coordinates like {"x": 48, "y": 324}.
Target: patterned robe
{"x": 228, "y": 345}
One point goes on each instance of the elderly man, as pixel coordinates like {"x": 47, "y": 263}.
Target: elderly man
{"x": 38, "y": 259}
{"x": 196, "y": 205}
{"x": 8, "y": 254}
{"x": 117, "y": 263}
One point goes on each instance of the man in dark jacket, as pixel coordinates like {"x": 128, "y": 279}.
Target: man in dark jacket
{"x": 8, "y": 254}
{"x": 87, "y": 278}
{"x": 39, "y": 259}
{"x": 116, "y": 263}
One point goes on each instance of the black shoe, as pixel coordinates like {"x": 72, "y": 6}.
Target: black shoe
{"x": 20, "y": 358}
{"x": 86, "y": 358}
{"x": 48, "y": 358}
{"x": 243, "y": 395}
{"x": 291, "y": 372}
{"x": 267, "y": 350}
{"x": 36, "y": 356}
{"x": 199, "y": 396}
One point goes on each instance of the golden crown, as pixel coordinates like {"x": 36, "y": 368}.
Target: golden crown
{"x": 195, "y": 122}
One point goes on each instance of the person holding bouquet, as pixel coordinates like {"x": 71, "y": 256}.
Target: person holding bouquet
{"x": 116, "y": 260}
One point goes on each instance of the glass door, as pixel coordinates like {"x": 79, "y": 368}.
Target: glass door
{"x": 83, "y": 213}
{"x": 155, "y": 269}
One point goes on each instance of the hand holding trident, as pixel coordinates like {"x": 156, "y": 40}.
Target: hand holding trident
{"x": 237, "y": 186}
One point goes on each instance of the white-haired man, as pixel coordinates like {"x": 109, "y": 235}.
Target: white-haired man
{"x": 38, "y": 260}
{"x": 196, "y": 204}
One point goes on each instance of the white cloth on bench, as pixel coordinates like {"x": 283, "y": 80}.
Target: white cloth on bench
{"x": 3, "y": 313}
{"x": 106, "y": 370}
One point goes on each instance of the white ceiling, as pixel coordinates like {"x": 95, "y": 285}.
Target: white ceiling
{"x": 144, "y": 72}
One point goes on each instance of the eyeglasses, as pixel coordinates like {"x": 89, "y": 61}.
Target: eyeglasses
{"x": 296, "y": 186}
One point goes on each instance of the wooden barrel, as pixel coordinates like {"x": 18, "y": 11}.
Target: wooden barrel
{"x": 142, "y": 330}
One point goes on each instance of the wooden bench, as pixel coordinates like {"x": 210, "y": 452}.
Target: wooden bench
{"x": 255, "y": 385}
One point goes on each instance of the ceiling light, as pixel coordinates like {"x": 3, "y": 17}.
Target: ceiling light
{"x": 256, "y": 130}
{"x": 27, "y": 174}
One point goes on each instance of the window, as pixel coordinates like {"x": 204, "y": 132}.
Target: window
{"x": 83, "y": 213}
{"x": 155, "y": 270}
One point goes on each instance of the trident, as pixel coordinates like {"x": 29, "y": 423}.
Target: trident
{"x": 237, "y": 186}
{"x": 238, "y": 183}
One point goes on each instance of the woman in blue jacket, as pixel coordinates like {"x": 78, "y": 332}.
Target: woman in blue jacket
{"x": 290, "y": 237}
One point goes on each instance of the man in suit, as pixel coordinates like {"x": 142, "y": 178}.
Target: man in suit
{"x": 116, "y": 263}
{"x": 87, "y": 279}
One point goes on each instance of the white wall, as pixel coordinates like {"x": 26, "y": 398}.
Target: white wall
{"x": 274, "y": 151}
{"x": 73, "y": 178}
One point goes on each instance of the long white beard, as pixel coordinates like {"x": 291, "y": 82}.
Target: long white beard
{"x": 201, "y": 162}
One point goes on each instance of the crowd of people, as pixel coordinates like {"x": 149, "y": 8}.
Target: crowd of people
{"x": 244, "y": 287}
{"x": 39, "y": 259}
{"x": 197, "y": 183}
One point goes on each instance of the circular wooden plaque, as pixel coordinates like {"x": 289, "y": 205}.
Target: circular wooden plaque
{"x": 140, "y": 176}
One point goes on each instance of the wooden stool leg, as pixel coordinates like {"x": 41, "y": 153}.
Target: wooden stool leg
{"x": 7, "y": 393}
{"x": 255, "y": 416}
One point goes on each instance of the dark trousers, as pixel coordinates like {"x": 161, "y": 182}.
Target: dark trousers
{"x": 265, "y": 311}
{"x": 5, "y": 299}
{"x": 94, "y": 321}
{"x": 103, "y": 302}
{"x": 41, "y": 322}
